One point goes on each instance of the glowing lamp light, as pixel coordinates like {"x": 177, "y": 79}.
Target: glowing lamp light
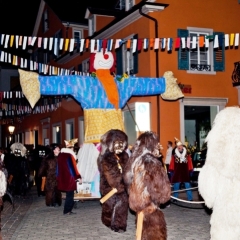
{"x": 57, "y": 128}
{"x": 11, "y": 129}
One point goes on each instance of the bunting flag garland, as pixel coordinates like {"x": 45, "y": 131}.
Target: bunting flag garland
{"x": 14, "y": 104}
{"x": 68, "y": 44}
{"x": 55, "y": 44}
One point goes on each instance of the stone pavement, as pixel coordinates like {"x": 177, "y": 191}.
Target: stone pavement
{"x": 32, "y": 220}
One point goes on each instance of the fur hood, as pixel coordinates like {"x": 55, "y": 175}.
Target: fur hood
{"x": 223, "y": 152}
{"x": 69, "y": 150}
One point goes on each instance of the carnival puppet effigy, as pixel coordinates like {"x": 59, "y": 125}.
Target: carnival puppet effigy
{"x": 101, "y": 96}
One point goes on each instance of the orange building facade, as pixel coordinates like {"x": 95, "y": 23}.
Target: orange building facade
{"x": 204, "y": 72}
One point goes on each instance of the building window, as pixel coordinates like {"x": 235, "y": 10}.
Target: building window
{"x": 201, "y": 59}
{"x": 81, "y": 130}
{"x": 84, "y": 66}
{"x": 56, "y": 133}
{"x": 77, "y": 35}
{"x": 127, "y": 61}
{"x": 69, "y": 129}
{"x": 91, "y": 25}
{"x": 45, "y": 21}
{"x": 125, "y": 4}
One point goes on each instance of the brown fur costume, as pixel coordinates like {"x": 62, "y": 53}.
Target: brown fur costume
{"x": 115, "y": 209}
{"x": 148, "y": 185}
{"x": 48, "y": 169}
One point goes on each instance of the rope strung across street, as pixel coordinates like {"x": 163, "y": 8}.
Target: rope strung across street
{"x": 181, "y": 200}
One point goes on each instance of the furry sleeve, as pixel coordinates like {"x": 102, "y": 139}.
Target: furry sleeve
{"x": 207, "y": 184}
{"x": 111, "y": 172}
{"x": 157, "y": 182}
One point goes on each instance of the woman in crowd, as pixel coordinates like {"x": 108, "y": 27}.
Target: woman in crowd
{"x": 48, "y": 171}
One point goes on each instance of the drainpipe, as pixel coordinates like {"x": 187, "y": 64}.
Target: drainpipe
{"x": 157, "y": 70}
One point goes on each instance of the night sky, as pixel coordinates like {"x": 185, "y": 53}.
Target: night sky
{"x": 18, "y": 16}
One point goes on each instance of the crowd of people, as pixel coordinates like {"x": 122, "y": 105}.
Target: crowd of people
{"x": 54, "y": 170}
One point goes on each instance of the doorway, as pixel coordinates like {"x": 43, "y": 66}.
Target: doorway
{"x": 197, "y": 123}
{"x": 197, "y": 116}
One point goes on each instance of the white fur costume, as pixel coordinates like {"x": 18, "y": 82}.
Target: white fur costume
{"x": 219, "y": 179}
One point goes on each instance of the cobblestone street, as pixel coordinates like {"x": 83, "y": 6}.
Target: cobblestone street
{"x": 33, "y": 220}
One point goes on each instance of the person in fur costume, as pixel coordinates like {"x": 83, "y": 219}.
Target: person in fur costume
{"x": 148, "y": 187}
{"x": 47, "y": 172}
{"x": 67, "y": 174}
{"x": 111, "y": 163}
{"x": 219, "y": 178}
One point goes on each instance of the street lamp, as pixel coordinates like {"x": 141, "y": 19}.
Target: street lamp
{"x": 11, "y": 129}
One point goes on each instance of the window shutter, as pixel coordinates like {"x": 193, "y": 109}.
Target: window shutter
{"x": 219, "y": 54}
{"x": 119, "y": 58}
{"x": 183, "y": 54}
{"x": 135, "y": 58}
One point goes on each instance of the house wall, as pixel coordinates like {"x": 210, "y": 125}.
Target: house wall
{"x": 220, "y": 16}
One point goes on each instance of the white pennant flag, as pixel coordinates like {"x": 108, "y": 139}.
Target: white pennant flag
{"x": 98, "y": 45}
{"x": 45, "y": 41}
{"x": 226, "y": 40}
{"x": 24, "y": 42}
{"x": 2, "y": 56}
{"x": 9, "y": 58}
{"x": 156, "y": 43}
{"x": 92, "y": 45}
{"x": 117, "y": 43}
{"x": 169, "y": 44}
{"x": 50, "y": 43}
{"x": 206, "y": 42}
{"x": 216, "y": 42}
{"x": 134, "y": 45}
{"x": 183, "y": 42}
{"x": 145, "y": 43}
{"x": 194, "y": 42}
{"x": 2, "y": 39}
{"x": 31, "y": 65}
{"x": 55, "y": 46}
{"x": 110, "y": 45}
{"x": 71, "y": 47}
{"x": 16, "y": 40}
{"x": 236, "y": 42}
{"x": 61, "y": 43}
{"x": 25, "y": 63}
{"x": 6, "y": 41}
{"x": 21, "y": 63}
{"x": 163, "y": 43}
{"x": 81, "y": 45}
{"x": 33, "y": 40}
{"x": 6, "y": 57}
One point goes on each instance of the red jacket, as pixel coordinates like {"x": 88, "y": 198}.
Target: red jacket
{"x": 67, "y": 172}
